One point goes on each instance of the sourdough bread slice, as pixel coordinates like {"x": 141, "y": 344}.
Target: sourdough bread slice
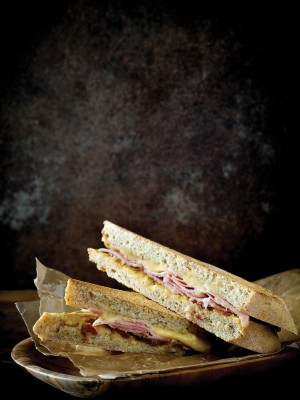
{"x": 245, "y": 296}
{"x": 256, "y": 336}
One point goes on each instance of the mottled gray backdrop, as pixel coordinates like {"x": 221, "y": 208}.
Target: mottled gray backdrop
{"x": 174, "y": 121}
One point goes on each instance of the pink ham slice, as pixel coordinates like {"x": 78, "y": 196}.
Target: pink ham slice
{"x": 137, "y": 328}
{"x": 177, "y": 285}
{"x": 128, "y": 325}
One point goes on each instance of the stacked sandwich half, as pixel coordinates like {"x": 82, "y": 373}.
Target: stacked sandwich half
{"x": 174, "y": 303}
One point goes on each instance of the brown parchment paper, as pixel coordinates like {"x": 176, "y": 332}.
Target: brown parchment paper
{"x": 286, "y": 284}
{"x": 95, "y": 362}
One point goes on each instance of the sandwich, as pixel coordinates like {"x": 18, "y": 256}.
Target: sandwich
{"x": 120, "y": 321}
{"x": 233, "y": 309}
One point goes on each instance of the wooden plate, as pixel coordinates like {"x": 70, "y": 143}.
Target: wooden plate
{"x": 61, "y": 373}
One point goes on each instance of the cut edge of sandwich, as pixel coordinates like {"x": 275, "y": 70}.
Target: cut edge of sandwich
{"x": 256, "y": 336}
{"x": 120, "y": 308}
{"x": 75, "y": 328}
{"x": 247, "y": 297}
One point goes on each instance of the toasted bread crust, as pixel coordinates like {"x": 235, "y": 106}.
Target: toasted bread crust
{"x": 246, "y": 296}
{"x": 257, "y": 337}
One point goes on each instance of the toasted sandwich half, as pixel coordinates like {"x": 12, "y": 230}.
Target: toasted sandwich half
{"x": 235, "y": 310}
{"x": 118, "y": 320}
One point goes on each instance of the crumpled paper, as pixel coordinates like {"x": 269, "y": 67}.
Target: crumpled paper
{"x": 95, "y": 362}
{"x": 286, "y": 284}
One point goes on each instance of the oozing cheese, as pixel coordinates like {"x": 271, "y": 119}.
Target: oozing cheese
{"x": 188, "y": 339}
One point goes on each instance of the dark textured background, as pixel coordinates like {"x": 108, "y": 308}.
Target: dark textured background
{"x": 177, "y": 123}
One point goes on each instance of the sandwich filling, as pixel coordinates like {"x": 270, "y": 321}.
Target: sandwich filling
{"x": 206, "y": 300}
{"x": 156, "y": 335}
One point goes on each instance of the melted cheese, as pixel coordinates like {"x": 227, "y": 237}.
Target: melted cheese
{"x": 153, "y": 266}
{"x": 188, "y": 339}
